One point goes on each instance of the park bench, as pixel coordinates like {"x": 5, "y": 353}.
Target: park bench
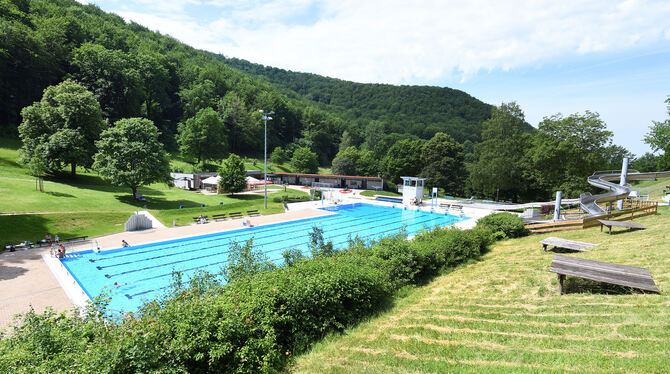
{"x": 219, "y": 217}
{"x": 565, "y": 243}
{"x": 75, "y": 239}
{"x": 254, "y": 212}
{"x": 197, "y": 219}
{"x": 606, "y": 272}
{"x": 610, "y": 224}
{"x": 235, "y": 215}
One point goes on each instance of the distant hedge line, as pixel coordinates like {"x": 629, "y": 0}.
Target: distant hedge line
{"x": 254, "y": 324}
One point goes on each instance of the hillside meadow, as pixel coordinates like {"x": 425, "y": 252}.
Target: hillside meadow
{"x": 503, "y": 314}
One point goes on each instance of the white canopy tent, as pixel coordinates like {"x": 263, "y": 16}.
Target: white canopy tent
{"x": 211, "y": 180}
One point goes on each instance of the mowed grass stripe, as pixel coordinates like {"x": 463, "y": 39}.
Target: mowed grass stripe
{"x": 436, "y": 361}
{"x": 500, "y": 347}
{"x": 657, "y": 348}
{"x": 533, "y": 335}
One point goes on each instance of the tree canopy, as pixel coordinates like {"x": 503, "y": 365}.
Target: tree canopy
{"x": 499, "y": 168}
{"x": 304, "y": 161}
{"x": 442, "y": 158}
{"x": 63, "y": 125}
{"x": 233, "y": 175}
{"x": 202, "y": 136}
{"x": 130, "y": 155}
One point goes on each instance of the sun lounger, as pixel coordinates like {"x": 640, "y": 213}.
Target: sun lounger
{"x": 622, "y": 275}
{"x": 565, "y": 243}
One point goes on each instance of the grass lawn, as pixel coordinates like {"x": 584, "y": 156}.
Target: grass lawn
{"x": 93, "y": 207}
{"x": 384, "y": 193}
{"x": 503, "y": 314}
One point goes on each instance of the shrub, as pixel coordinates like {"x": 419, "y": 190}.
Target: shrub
{"x": 504, "y": 225}
{"x": 445, "y": 247}
{"x": 402, "y": 261}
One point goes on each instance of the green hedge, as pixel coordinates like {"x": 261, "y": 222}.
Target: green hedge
{"x": 254, "y": 324}
{"x": 504, "y": 225}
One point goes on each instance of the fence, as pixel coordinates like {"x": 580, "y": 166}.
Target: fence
{"x": 632, "y": 209}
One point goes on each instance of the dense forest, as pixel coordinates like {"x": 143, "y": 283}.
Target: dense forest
{"x": 136, "y": 72}
{"x": 418, "y": 110}
{"x": 59, "y": 57}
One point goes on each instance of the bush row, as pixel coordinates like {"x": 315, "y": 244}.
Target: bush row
{"x": 253, "y": 324}
{"x": 504, "y": 225}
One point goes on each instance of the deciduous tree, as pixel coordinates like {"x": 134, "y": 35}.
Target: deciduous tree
{"x": 500, "y": 155}
{"x": 64, "y": 125}
{"x": 304, "y": 161}
{"x": 442, "y": 158}
{"x": 130, "y": 155}
{"x": 233, "y": 175}
{"x": 203, "y": 136}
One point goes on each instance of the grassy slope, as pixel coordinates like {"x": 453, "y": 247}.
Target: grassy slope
{"x": 373, "y": 193}
{"x": 89, "y": 206}
{"x": 503, "y": 314}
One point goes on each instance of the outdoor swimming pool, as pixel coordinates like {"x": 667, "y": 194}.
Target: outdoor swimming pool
{"x": 144, "y": 271}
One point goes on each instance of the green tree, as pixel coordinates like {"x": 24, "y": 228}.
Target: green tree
{"x": 278, "y": 156}
{"x": 130, "y": 155}
{"x": 368, "y": 164}
{"x": 444, "y": 166}
{"x": 499, "y": 169}
{"x": 658, "y": 136}
{"x": 112, "y": 78}
{"x": 304, "y": 161}
{"x": 248, "y": 136}
{"x": 403, "y": 159}
{"x": 646, "y": 162}
{"x": 64, "y": 125}
{"x": 346, "y": 161}
{"x": 565, "y": 151}
{"x": 233, "y": 175}
{"x": 199, "y": 96}
{"x": 203, "y": 136}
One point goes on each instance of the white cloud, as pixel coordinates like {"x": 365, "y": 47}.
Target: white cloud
{"x": 398, "y": 41}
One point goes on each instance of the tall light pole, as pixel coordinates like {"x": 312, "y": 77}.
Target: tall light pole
{"x": 266, "y": 117}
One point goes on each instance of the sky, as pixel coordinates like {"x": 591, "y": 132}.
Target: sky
{"x": 606, "y": 56}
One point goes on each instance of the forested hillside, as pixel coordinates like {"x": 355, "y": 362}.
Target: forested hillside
{"x": 417, "y": 110}
{"x": 136, "y": 72}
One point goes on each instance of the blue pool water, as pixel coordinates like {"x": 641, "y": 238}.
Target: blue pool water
{"x": 144, "y": 271}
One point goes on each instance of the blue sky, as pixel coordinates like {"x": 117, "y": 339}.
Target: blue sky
{"x": 611, "y": 57}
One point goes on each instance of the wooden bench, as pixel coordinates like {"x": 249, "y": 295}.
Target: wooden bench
{"x": 610, "y": 224}
{"x": 622, "y": 275}
{"x": 235, "y": 215}
{"x": 254, "y": 212}
{"x": 75, "y": 239}
{"x": 219, "y": 217}
{"x": 567, "y": 244}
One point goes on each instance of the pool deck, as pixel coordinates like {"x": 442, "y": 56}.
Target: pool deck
{"x": 25, "y": 278}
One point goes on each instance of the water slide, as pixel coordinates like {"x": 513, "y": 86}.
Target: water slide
{"x": 609, "y": 180}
